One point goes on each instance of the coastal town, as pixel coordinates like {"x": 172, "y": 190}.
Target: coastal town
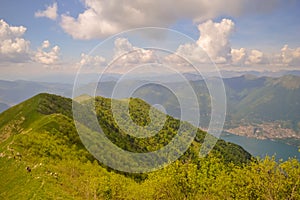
{"x": 265, "y": 131}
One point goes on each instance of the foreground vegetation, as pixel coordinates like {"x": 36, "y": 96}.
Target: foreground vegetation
{"x": 212, "y": 179}
{"x": 42, "y": 157}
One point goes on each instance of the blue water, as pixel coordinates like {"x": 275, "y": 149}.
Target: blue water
{"x": 262, "y": 148}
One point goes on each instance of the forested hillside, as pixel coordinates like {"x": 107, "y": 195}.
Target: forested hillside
{"x": 42, "y": 157}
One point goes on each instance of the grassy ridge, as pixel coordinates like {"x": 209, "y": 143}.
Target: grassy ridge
{"x": 42, "y": 136}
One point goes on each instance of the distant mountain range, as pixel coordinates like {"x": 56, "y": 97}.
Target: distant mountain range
{"x": 93, "y": 77}
{"x": 14, "y": 92}
{"x": 254, "y": 103}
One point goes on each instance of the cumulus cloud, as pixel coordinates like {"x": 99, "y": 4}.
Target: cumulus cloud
{"x": 212, "y": 45}
{"x": 91, "y": 61}
{"x": 125, "y": 57}
{"x": 12, "y": 46}
{"x": 243, "y": 56}
{"x": 102, "y": 18}
{"x": 10, "y": 32}
{"x": 290, "y": 56}
{"x": 214, "y": 39}
{"x": 192, "y": 52}
{"x": 47, "y": 57}
{"x": 238, "y": 56}
{"x": 122, "y": 45}
{"x": 50, "y": 12}
{"x": 285, "y": 57}
{"x": 128, "y": 55}
{"x": 256, "y": 57}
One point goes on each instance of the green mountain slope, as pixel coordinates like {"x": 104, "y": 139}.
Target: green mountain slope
{"x": 260, "y": 104}
{"x": 42, "y": 157}
{"x": 44, "y": 112}
{"x": 275, "y": 99}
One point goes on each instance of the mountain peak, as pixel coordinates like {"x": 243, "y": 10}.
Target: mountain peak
{"x": 52, "y": 113}
{"x": 249, "y": 76}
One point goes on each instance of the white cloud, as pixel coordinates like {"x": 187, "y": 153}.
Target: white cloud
{"x": 251, "y": 57}
{"x": 91, "y": 61}
{"x": 127, "y": 55}
{"x": 214, "y": 39}
{"x": 46, "y": 44}
{"x": 290, "y": 56}
{"x": 122, "y": 45}
{"x": 12, "y": 46}
{"x": 213, "y": 42}
{"x": 256, "y": 57}
{"x": 193, "y": 52}
{"x": 47, "y": 57}
{"x": 102, "y": 18}
{"x": 91, "y": 23}
{"x": 50, "y": 12}
{"x": 238, "y": 56}
{"x": 10, "y": 32}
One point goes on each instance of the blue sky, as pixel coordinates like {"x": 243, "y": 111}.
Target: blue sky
{"x": 259, "y": 36}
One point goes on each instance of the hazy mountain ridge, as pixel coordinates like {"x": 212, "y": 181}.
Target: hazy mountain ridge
{"x": 251, "y": 100}
{"x": 14, "y": 92}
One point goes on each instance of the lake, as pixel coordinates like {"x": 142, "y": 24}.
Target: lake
{"x": 262, "y": 148}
